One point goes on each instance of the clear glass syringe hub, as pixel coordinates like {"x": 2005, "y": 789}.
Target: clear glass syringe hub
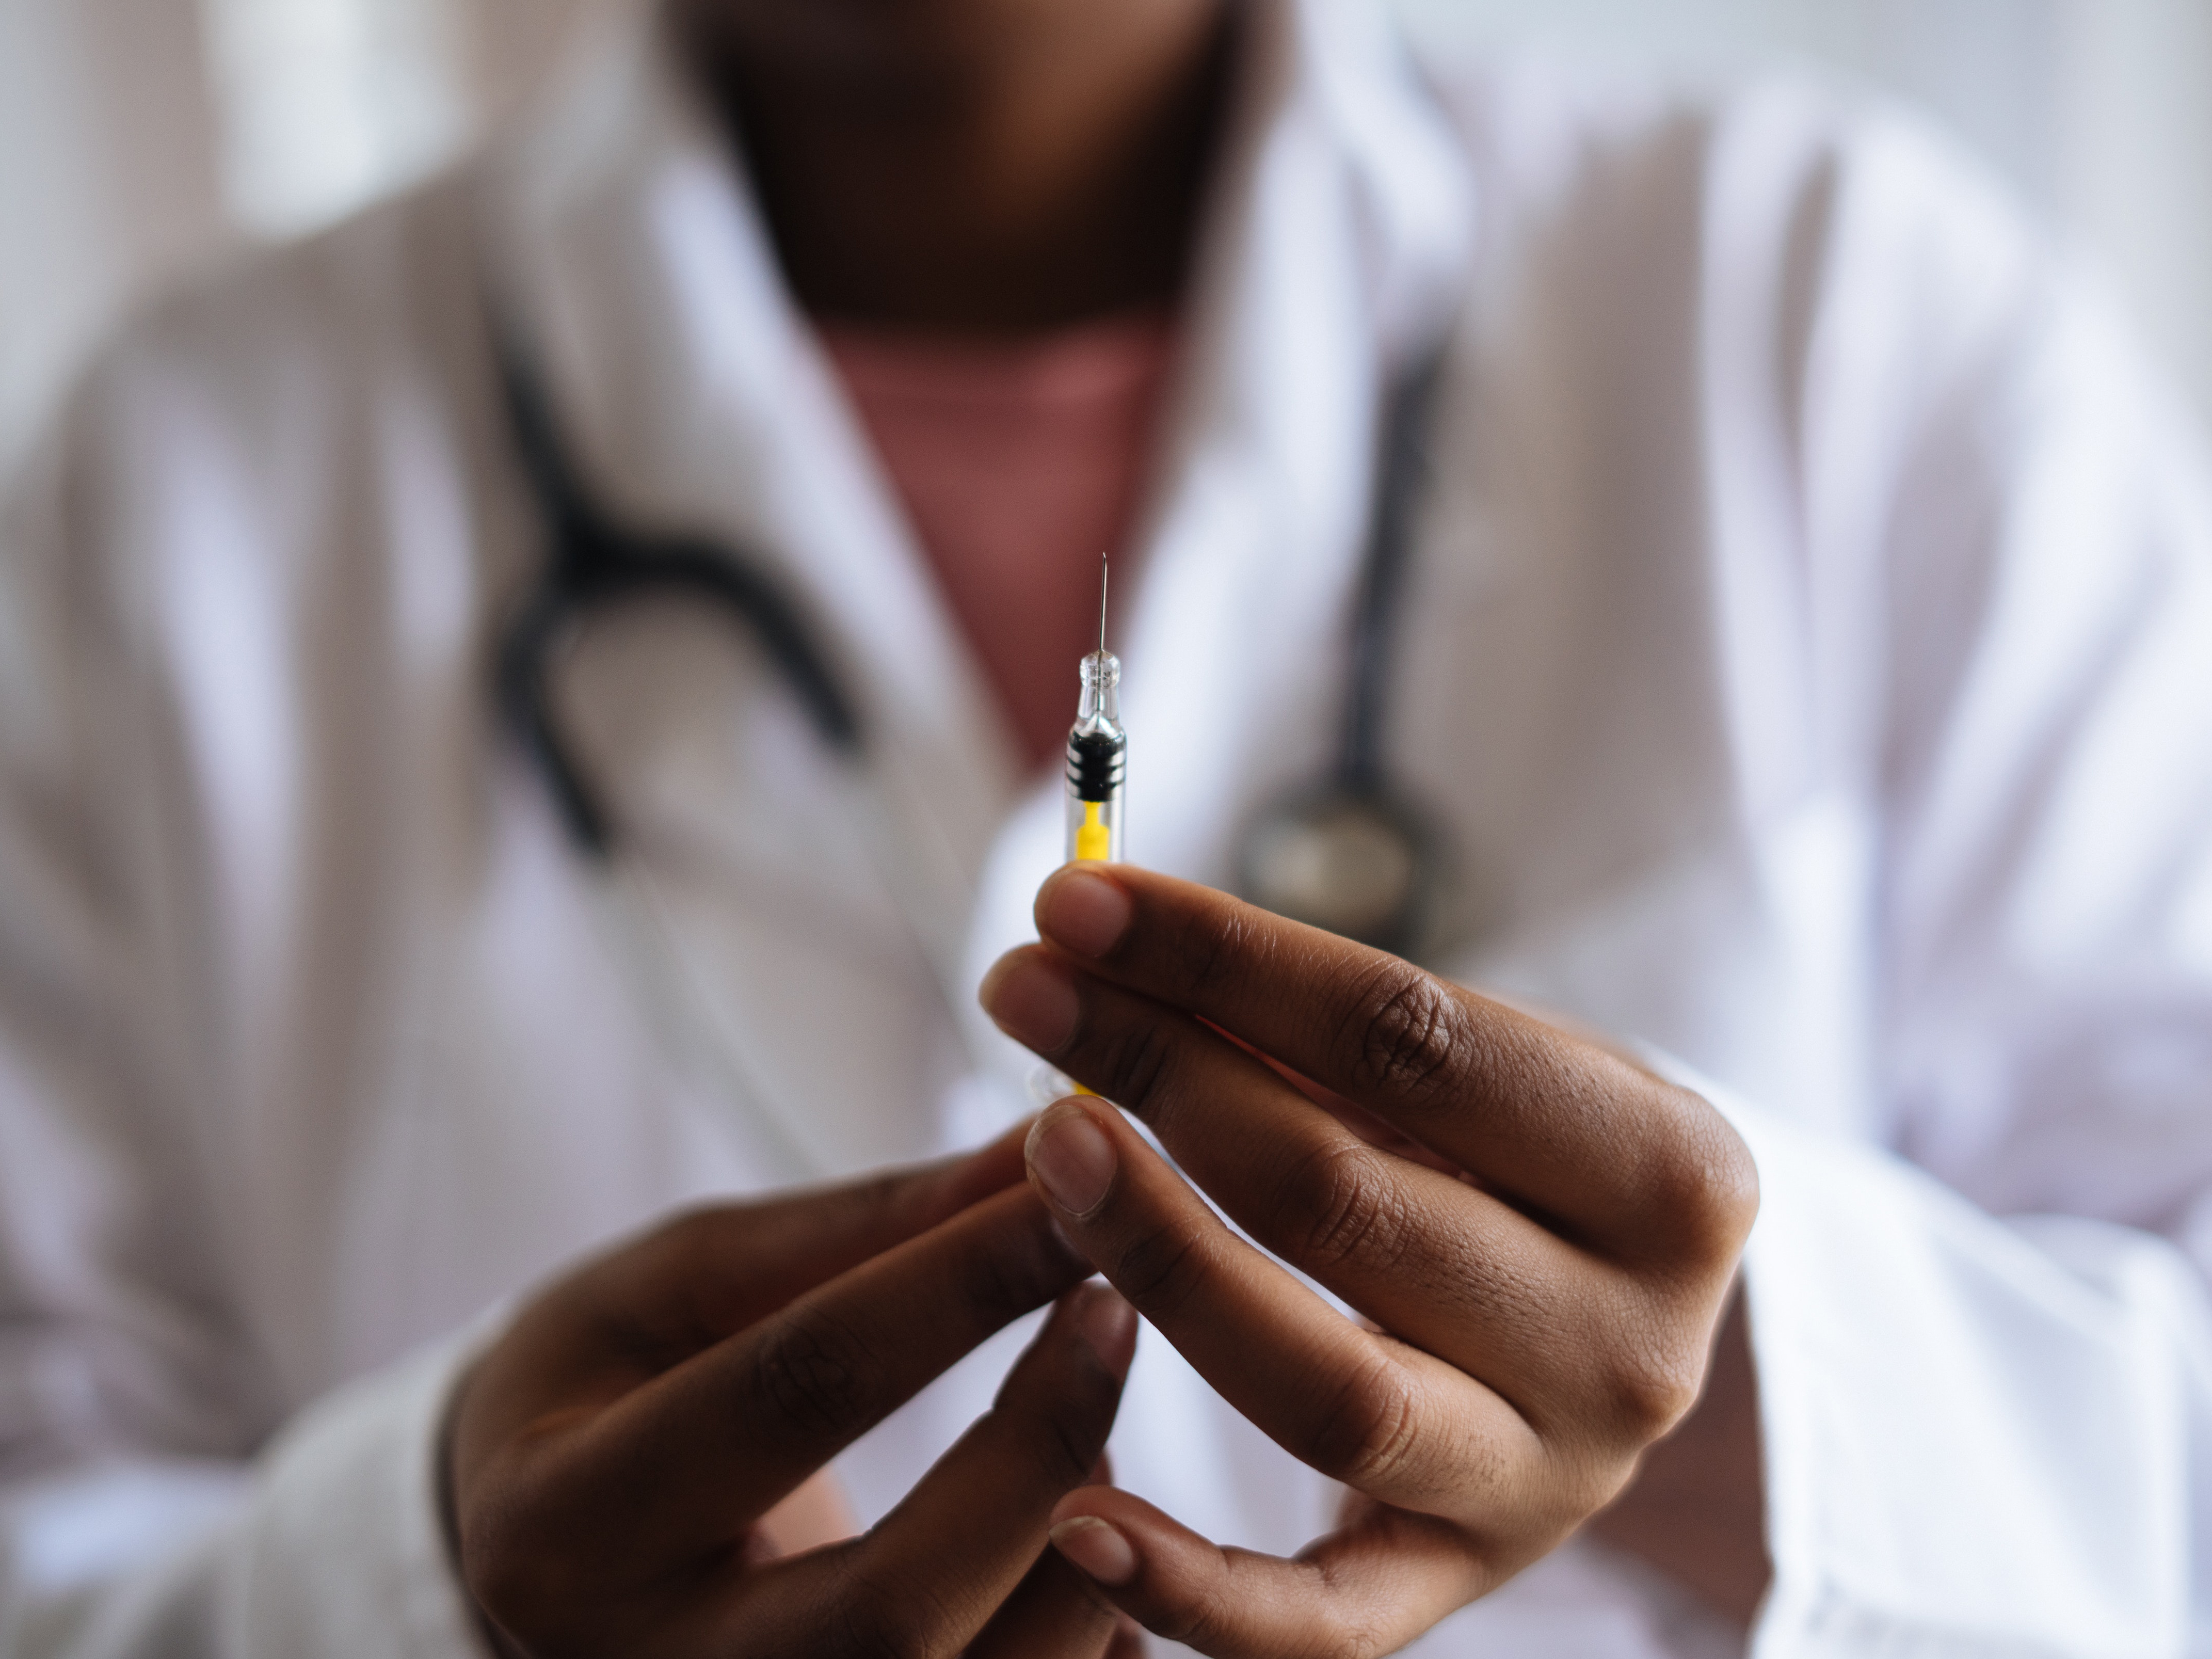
{"x": 1097, "y": 758}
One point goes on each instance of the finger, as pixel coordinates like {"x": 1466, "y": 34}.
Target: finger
{"x": 931, "y": 1575}
{"x": 1368, "y": 1589}
{"x": 689, "y": 1283}
{"x": 1055, "y": 1613}
{"x": 1361, "y": 1407}
{"x": 653, "y": 1303}
{"x": 690, "y": 1459}
{"x": 1448, "y": 1268}
{"x": 1569, "y": 1130}
{"x": 717, "y": 1270}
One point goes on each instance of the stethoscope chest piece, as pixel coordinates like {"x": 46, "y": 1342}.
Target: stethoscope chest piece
{"x": 1349, "y": 852}
{"x": 1357, "y": 862}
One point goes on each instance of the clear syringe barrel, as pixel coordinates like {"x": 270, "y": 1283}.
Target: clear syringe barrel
{"x": 1097, "y": 760}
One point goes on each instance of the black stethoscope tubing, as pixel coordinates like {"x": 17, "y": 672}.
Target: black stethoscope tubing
{"x": 1402, "y": 475}
{"x": 593, "y": 562}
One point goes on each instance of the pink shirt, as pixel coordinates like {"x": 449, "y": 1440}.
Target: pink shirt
{"x": 1019, "y": 464}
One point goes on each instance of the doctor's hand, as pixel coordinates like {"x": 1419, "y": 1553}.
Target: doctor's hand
{"x": 1541, "y": 1234}
{"x": 633, "y": 1467}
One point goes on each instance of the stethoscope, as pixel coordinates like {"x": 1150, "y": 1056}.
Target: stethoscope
{"x": 593, "y": 564}
{"x": 1349, "y": 851}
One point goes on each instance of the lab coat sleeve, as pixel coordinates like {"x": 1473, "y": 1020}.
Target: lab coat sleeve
{"x": 1980, "y": 1437}
{"x": 328, "y": 1546}
{"x": 153, "y": 1499}
{"x": 1983, "y": 1347}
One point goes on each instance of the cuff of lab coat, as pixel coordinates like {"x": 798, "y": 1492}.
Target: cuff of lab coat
{"x": 1971, "y": 1440}
{"x": 342, "y": 1552}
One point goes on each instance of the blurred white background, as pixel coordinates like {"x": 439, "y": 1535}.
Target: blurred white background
{"x": 142, "y": 138}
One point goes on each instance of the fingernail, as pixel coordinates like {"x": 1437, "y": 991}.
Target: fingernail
{"x": 1072, "y": 1159}
{"x": 1083, "y": 913}
{"x": 1096, "y": 1549}
{"x": 1110, "y": 1325}
{"x": 1032, "y": 1001}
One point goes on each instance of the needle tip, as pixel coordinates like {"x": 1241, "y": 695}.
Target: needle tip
{"x": 1104, "y": 571}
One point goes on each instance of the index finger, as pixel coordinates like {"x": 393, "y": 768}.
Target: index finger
{"x": 716, "y": 1269}
{"x": 1563, "y": 1126}
{"x": 690, "y": 1460}
{"x": 654, "y": 1302}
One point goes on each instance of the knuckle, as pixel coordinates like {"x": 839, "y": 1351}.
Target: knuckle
{"x": 1708, "y": 1187}
{"x": 1367, "y": 1435}
{"x": 1580, "y": 1480}
{"x": 1650, "y": 1386}
{"x": 1206, "y": 957}
{"x": 1346, "y": 1631}
{"x": 1357, "y": 1212}
{"x": 1214, "y": 1615}
{"x": 1731, "y": 1181}
{"x": 1001, "y": 1279}
{"x": 1159, "y": 1268}
{"x": 1204, "y": 1620}
{"x": 1137, "y": 1062}
{"x": 1069, "y": 1450}
{"x": 880, "y": 1614}
{"x": 1215, "y": 1620}
{"x": 1059, "y": 1437}
{"x": 811, "y": 1372}
{"x": 1406, "y": 1031}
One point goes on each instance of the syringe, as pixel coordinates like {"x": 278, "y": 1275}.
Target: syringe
{"x": 1097, "y": 753}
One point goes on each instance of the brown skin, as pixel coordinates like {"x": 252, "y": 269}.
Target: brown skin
{"x": 631, "y": 1468}
{"x": 1697, "y": 1508}
{"x": 1543, "y": 1235}
{"x": 1541, "y": 1308}
{"x": 987, "y": 167}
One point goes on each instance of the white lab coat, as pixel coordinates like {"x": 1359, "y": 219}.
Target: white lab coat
{"x": 1810, "y": 659}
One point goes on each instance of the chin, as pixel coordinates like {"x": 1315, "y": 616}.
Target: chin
{"x": 917, "y": 40}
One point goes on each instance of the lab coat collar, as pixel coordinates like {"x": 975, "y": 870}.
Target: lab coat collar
{"x": 642, "y": 274}
{"x": 637, "y": 263}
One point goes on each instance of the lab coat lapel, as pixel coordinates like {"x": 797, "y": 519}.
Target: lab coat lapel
{"x": 1334, "y": 252}
{"x": 695, "y": 398}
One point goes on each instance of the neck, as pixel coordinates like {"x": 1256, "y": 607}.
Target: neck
{"x": 972, "y": 165}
